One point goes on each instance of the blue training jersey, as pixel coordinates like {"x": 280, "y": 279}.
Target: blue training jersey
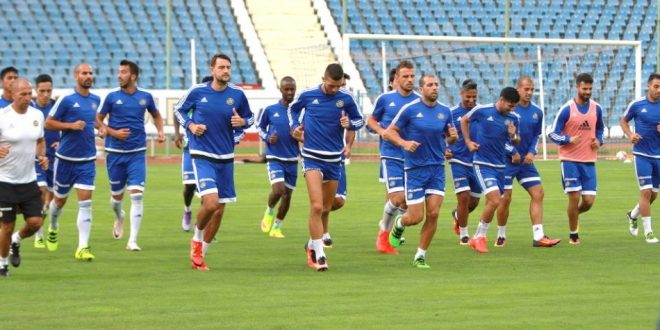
{"x": 127, "y": 111}
{"x": 386, "y": 108}
{"x": 50, "y": 136}
{"x": 76, "y": 145}
{"x": 4, "y": 102}
{"x": 460, "y": 152}
{"x": 531, "y": 126}
{"x": 427, "y": 125}
{"x": 492, "y": 136}
{"x": 647, "y": 118}
{"x": 320, "y": 114}
{"x": 274, "y": 119}
{"x": 564, "y": 114}
{"x": 204, "y": 105}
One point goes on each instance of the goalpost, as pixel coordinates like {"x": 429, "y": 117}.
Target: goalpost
{"x": 471, "y": 52}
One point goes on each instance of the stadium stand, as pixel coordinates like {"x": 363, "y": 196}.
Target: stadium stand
{"x": 598, "y": 19}
{"x": 40, "y": 35}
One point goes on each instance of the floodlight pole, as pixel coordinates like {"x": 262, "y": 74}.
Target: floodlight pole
{"x": 383, "y": 59}
{"x": 544, "y": 142}
{"x": 657, "y": 37}
{"x": 507, "y": 27}
{"x": 344, "y": 18}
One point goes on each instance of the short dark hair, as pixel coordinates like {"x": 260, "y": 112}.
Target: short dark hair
{"x": 404, "y": 64}
{"x": 423, "y": 77}
{"x": 132, "y": 67}
{"x": 7, "y": 70}
{"x": 468, "y": 85}
{"x": 347, "y": 76}
{"x": 392, "y": 74}
{"x": 287, "y": 79}
{"x": 510, "y": 94}
{"x": 217, "y": 56}
{"x": 584, "y": 78}
{"x": 42, "y": 78}
{"x": 207, "y": 79}
{"x": 653, "y": 76}
{"x": 334, "y": 71}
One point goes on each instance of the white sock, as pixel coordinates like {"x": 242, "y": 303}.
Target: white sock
{"x": 116, "y": 207}
{"x": 402, "y": 211}
{"x": 389, "y": 212}
{"x": 198, "y": 236}
{"x": 54, "y": 215}
{"x": 420, "y": 253}
{"x": 4, "y": 262}
{"x": 573, "y": 232}
{"x": 501, "y": 231}
{"x": 269, "y": 210}
{"x": 40, "y": 231}
{"x": 399, "y": 223}
{"x": 537, "y": 231}
{"x": 187, "y": 209}
{"x": 634, "y": 213}
{"x": 15, "y": 238}
{"x": 326, "y": 236}
{"x": 84, "y": 222}
{"x": 137, "y": 207}
{"x": 317, "y": 245}
{"x": 482, "y": 229}
{"x": 464, "y": 231}
{"x": 205, "y": 247}
{"x": 278, "y": 223}
{"x": 646, "y": 221}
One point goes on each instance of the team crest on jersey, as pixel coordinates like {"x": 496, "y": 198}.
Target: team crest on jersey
{"x": 94, "y": 106}
{"x": 507, "y": 122}
{"x": 143, "y": 102}
{"x": 35, "y": 123}
{"x": 441, "y": 116}
{"x": 535, "y": 116}
{"x": 340, "y": 104}
{"x": 230, "y": 101}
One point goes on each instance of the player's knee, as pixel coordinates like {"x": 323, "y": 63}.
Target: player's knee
{"x": 316, "y": 208}
{"x": 397, "y": 200}
{"x": 35, "y": 223}
{"x": 279, "y": 190}
{"x": 338, "y": 203}
{"x": 432, "y": 215}
{"x": 647, "y": 194}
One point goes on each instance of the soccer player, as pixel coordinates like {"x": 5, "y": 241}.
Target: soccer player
{"x": 427, "y": 127}
{"x": 578, "y": 130}
{"x": 322, "y": 113}
{"x": 7, "y": 75}
{"x": 74, "y": 114}
{"x": 126, "y": 144}
{"x": 210, "y": 111}
{"x": 342, "y": 183}
{"x": 281, "y": 158}
{"x": 495, "y": 128}
{"x": 386, "y": 107}
{"x": 21, "y": 142}
{"x": 646, "y": 148}
{"x": 43, "y": 102}
{"x": 467, "y": 187}
{"x": 188, "y": 176}
{"x": 521, "y": 166}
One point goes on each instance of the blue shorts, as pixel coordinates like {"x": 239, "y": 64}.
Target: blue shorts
{"x": 392, "y": 174}
{"x": 579, "y": 177}
{"x": 209, "y": 175}
{"x": 187, "y": 171}
{"x": 490, "y": 178}
{"x": 526, "y": 174}
{"x": 423, "y": 181}
{"x": 647, "y": 171}
{"x": 329, "y": 171}
{"x": 342, "y": 187}
{"x": 126, "y": 170}
{"x": 465, "y": 179}
{"x": 79, "y": 175}
{"x": 45, "y": 177}
{"x": 279, "y": 171}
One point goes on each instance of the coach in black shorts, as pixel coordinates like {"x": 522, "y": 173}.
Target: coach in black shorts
{"x": 21, "y": 144}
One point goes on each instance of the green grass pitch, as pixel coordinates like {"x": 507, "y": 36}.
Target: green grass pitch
{"x": 608, "y": 282}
